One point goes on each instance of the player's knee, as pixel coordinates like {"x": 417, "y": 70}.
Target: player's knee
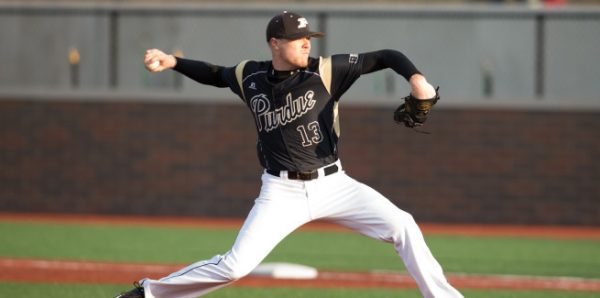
{"x": 402, "y": 219}
{"x": 407, "y": 218}
{"x": 402, "y": 223}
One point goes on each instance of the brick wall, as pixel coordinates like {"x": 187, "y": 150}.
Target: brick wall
{"x": 477, "y": 166}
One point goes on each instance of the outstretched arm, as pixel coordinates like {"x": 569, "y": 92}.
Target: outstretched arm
{"x": 378, "y": 60}
{"x": 199, "y": 71}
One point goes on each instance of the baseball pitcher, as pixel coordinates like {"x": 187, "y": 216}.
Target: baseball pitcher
{"x": 294, "y": 100}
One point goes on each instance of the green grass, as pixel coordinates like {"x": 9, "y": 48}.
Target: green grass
{"x": 112, "y": 243}
{"x": 324, "y": 250}
{"x": 102, "y": 291}
{"x": 521, "y": 256}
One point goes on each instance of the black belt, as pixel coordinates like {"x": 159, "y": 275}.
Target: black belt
{"x": 305, "y": 176}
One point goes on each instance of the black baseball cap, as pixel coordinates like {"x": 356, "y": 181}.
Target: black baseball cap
{"x": 290, "y": 25}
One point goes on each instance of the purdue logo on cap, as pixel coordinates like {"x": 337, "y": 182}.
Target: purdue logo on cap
{"x": 302, "y": 23}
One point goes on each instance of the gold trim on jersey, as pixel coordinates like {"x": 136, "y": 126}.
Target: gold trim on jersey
{"x": 239, "y": 75}
{"x": 325, "y": 70}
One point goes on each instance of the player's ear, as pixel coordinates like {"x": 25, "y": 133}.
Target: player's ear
{"x": 274, "y": 43}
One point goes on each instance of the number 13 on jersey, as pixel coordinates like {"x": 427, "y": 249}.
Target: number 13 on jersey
{"x": 311, "y": 133}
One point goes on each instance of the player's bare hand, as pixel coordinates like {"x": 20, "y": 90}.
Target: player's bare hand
{"x": 421, "y": 89}
{"x": 156, "y": 60}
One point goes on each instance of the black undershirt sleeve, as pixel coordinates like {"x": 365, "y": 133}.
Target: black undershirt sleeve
{"x": 201, "y": 72}
{"x": 382, "y": 59}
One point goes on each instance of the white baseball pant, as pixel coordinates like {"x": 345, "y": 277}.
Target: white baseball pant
{"x": 284, "y": 205}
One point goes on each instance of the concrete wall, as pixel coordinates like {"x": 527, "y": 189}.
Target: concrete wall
{"x": 457, "y": 47}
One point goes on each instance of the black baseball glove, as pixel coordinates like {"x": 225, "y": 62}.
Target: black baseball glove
{"x": 413, "y": 112}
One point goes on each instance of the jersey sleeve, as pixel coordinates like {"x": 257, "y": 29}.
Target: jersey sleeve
{"x": 230, "y": 76}
{"x": 382, "y": 59}
{"x": 214, "y": 75}
{"x": 345, "y": 70}
{"x": 200, "y": 71}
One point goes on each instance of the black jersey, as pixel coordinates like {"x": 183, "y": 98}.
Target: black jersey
{"x": 296, "y": 118}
